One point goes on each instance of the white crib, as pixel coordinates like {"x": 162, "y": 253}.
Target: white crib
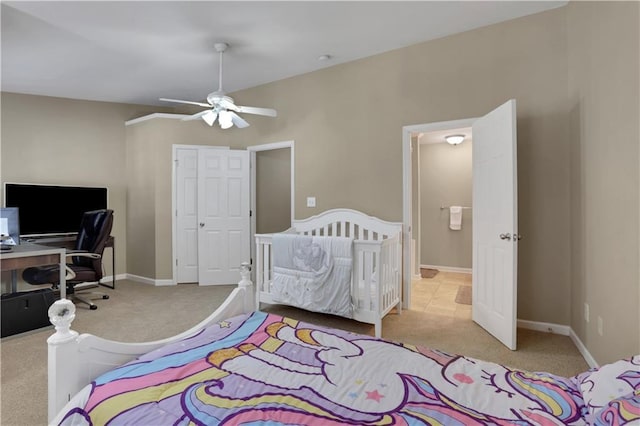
{"x": 376, "y": 277}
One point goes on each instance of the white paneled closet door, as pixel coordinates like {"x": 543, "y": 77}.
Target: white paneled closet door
{"x": 223, "y": 215}
{"x": 187, "y": 215}
{"x": 213, "y": 234}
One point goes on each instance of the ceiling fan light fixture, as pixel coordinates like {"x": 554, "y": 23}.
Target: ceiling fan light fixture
{"x": 220, "y": 106}
{"x": 210, "y": 117}
{"x": 454, "y": 139}
{"x": 225, "y": 120}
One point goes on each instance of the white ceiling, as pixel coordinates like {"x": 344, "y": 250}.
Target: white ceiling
{"x": 136, "y": 52}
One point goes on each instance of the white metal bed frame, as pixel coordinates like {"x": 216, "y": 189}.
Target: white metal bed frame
{"x": 75, "y": 360}
{"x": 376, "y": 277}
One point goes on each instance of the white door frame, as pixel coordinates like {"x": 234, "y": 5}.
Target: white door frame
{"x": 252, "y": 160}
{"x": 407, "y": 194}
{"x": 174, "y": 203}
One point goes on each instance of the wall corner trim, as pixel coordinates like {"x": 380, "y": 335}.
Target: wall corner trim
{"x": 154, "y": 115}
{"x": 108, "y": 279}
{"x": 563, "y": 330}
{"x": 151, "y": 281}
{"x": 583, "y": 350}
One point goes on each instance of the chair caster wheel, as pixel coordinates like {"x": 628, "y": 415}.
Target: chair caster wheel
{"x": 106, "y": 296}
{"x": 93, "y": 307}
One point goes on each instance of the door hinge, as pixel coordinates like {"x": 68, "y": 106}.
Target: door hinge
{"x": 176, "y": 262}
{"x": 250, "y": 213}
{"x": 251, "y": 261}
{"x": 177, "y": 162}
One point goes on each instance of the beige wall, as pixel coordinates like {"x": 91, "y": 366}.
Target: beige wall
{"x": 273, "y": 190}
{"x": 149, "y": 144}
{"x": 347, "y": 123}
{"x": 61, "y": 141}
{"x": 577, "y": 151}
{"x": 445, "y": 180}
{"x": 604, "y": 118}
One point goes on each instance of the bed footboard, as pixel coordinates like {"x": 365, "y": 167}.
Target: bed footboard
{"x": 75, "y": 360}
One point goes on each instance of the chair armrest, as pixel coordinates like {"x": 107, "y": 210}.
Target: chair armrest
{"x": 82, "y": 253}
{"x": 70, "y": 273}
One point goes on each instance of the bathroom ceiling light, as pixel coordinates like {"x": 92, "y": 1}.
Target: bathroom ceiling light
{"x": 454, "y": 139}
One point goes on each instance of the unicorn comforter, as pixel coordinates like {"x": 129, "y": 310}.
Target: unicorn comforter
{"x": 265, "y": 369}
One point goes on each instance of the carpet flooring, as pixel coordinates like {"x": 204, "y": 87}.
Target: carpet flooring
{"x": 140, "y": 312}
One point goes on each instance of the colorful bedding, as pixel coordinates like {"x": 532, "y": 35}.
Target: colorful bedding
{"x": 265, "y": 369}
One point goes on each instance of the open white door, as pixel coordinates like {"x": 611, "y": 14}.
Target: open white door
{"x": 495, "y": 223}
{"x": 186, "y": 215}
{"x": 223, "y": 215}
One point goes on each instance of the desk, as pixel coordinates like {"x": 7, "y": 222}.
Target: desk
{"x": 26, "y": 255}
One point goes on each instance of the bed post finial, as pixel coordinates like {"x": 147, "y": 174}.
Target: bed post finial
{"x": 245, "y": 274}
{"x": 246, "y": 285}
{"x": 61, "y": 314}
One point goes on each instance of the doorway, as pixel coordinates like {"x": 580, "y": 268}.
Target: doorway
{"x": 211, "y": 222}
{"x": 272, "y": 189}
{"x": 495, "y": 231}
{"x": 442, "y": 222}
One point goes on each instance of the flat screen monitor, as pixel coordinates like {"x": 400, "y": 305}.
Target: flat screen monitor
{"x": 52, "y": 209}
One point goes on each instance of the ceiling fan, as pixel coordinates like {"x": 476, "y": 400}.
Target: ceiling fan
{"x": 220, "y": 106}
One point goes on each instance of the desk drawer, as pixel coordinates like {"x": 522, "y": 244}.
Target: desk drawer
{"x": 25, "y": 311}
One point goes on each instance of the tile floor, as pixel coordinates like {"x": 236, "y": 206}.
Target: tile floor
{"x": 437, "y": 295}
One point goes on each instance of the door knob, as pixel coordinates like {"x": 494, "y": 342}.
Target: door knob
{"x": 201, "y": 224}
{"x": 506, "y": 236}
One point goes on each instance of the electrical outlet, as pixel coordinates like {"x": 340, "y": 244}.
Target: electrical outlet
{"x": 586, "y": 312}
{"x": 311, "y": 201}
{"x": 600, "y": 326}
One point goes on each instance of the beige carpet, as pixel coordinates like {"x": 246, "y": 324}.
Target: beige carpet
{"x": 139, "y": 312}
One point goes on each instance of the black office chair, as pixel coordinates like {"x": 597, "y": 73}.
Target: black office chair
{"x": 86, "y": 258}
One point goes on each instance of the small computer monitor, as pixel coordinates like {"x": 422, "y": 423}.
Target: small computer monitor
{"x": 9, "y": 226}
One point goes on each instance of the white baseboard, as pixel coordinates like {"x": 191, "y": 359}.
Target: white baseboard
{"x": 563, "y": 330}
{"x": 150, "y": 281}
{"x": 448, "y": 268}
{"x": 583, "y": 350}
{"x": 109, "y": 278}
{"x": 547, "y": 327}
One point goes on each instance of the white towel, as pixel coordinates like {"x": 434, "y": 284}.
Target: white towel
{"x": 455, "y": 218}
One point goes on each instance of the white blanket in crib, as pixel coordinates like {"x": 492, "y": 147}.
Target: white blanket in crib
{"x": 313, "y": 273}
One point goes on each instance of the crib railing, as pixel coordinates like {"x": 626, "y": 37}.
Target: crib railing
{"x": 375, "y": 273}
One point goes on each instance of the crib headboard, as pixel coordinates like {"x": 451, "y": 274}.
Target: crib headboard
{"x": 347, "y": 223}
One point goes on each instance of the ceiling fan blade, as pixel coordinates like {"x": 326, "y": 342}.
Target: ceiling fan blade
{"x": 238, "y": 121}
{"x": 186, "y": 102}
{"x": 259, "y": 111}
{"x": 196, "y": 116}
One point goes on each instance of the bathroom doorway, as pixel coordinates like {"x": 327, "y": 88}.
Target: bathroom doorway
{"x": 442, "y": 222}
